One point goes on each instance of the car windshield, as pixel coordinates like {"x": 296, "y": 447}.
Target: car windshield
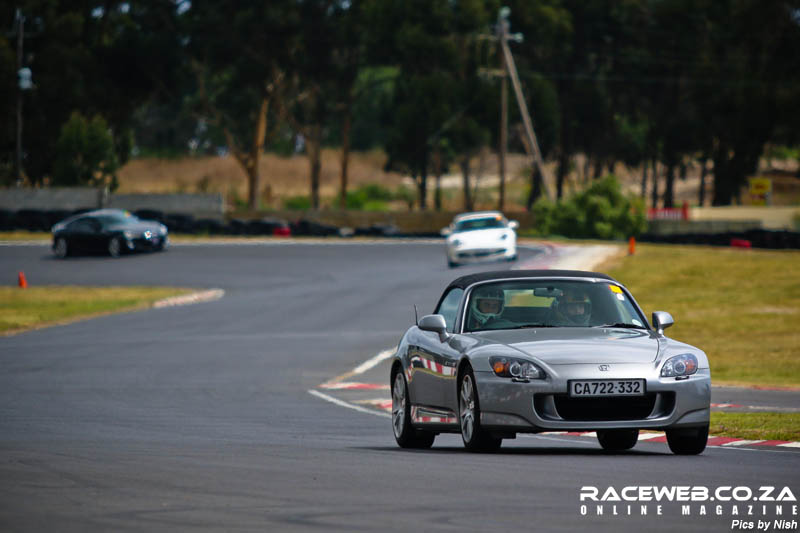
{"x": 479, "y": 223}
{"x": 113, "y": 219}
{"x": 550, "y": 303}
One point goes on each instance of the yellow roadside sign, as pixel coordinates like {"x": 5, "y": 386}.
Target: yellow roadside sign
{"x": 760, "y": 190}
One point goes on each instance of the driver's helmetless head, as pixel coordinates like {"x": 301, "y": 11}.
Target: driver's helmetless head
{"x": 487, "y": 302}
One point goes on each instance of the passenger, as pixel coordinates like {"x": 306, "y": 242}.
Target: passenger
{"x": 573, "y": 308}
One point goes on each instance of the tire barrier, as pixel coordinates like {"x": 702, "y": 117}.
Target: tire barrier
{"x": 757, "y": 238}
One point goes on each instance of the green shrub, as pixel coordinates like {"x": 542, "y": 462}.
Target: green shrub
{"x": 85, "y": 153}
{"x": 297, "y": 202}
{"x": 407, "y": 195}
{"x": 370, "y": 193}
{"x": 602, "y": 211}
{"x": 375, "y": 205}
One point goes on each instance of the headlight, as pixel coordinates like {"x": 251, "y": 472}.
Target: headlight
{"x": 507, "y": 367}
{"x": 128, "y": 234}
{"x": 455, "y": 242}
{"x": 680, "y": 365}
{"x": 504, "y": 237}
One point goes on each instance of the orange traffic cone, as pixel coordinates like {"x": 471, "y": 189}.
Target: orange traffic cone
{"x": 23, "y": 283}
{"x": 632, "y": 246}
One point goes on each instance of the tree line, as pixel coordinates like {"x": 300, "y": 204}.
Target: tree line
{"x": 642, "y": 82}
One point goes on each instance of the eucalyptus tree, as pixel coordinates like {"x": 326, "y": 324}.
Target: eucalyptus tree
{"x": 240, "y": 57}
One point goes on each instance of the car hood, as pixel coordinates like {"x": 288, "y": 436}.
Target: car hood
{"x": 563, "y": 346}
{"x": 480, "y": 237}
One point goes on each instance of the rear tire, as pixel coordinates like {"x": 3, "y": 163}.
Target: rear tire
{"x": 690, "y": 441}
{"x": 475, "y": 438}
{"x": 405, "y": 435}
{"x": 452, "y": 264}
{"x": 617, "y": 440}
{"x": 61, "y": 248}
{"x": 115, "y": 247}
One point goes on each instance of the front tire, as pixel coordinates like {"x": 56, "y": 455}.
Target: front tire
{"x": 475, "y": 438}
{"x": 405, "y": 435}
{"x": 61, "y": 248}
{"x": 687, "y": 441}
{"x": 115, "y": 247}
{"x": 617, "y": 440}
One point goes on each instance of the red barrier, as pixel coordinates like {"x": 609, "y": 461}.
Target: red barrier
{"x": 740, "y": 243}
{"x": 669, "y": 213}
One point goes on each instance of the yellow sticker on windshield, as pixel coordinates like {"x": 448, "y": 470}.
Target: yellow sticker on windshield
{"x": 615, "y": 289}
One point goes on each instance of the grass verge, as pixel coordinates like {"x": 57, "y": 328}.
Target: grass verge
{"x": 756, "y": 426}
{"x": 36, "y": 307}
{"x": 25, "y": 235}
{"x": 740, "y": 306}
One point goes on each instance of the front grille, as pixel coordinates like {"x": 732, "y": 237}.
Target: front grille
{"x": 481, "y": 253}
{"x": 607, "y": 409}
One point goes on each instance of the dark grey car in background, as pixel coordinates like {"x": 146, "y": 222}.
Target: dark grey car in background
{"x": 531, "y": 351}
{"x": 109, "y": 231}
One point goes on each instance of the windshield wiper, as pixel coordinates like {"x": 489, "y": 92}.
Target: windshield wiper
{"x": 621, "y": 325}
{"x": 524, "y": 326}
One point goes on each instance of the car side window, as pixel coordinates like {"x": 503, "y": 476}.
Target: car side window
{"x": 448, "y": 307}
{"x": 84, "y": 225}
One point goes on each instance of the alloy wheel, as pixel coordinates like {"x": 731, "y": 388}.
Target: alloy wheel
{"x": 467, "y": 408}
{"x": 398, "y": 405}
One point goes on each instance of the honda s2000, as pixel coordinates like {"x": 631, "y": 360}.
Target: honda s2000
{"x": 530, "y": 351}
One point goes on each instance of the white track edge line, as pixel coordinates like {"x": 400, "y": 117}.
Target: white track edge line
{"x": 342, "y": 403}
{"x": 374, "y": 361}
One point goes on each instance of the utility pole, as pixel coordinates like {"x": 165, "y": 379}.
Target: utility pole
{"x": 503, "y": 134}
{"x": 20, "y": 24}
{"x": 511, "y": 68}
{"x": 24, "y": 83}
{"x": 510, "y": 71}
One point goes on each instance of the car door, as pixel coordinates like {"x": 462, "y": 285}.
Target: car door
{"x": 80, "y": 233}
{"x": 433, "y": 362}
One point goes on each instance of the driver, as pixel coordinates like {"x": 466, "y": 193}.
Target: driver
{"x": 486, "y": 305}
{"x": 573, "y": 308}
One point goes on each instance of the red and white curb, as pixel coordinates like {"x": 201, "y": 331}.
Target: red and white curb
{"x": 189, "y": 299}
{"x": 340, "y": 383}
{"x": 381, "y": 403}
{"x": 353, "y": 385}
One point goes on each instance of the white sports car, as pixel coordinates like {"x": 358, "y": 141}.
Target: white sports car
{"x": 480, "y": 236}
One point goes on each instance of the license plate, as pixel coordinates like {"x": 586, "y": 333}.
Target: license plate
{"x": 607, "y": 387}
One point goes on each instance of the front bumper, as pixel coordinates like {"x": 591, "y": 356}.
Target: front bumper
{"x": 142, "y": 243}
{"x": 486, "y": 253}
{"x": 543, "y": 405}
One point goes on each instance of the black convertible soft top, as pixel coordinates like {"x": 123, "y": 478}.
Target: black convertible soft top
{"x": 465, "y": 281}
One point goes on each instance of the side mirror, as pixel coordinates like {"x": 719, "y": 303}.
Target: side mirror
{"x": 513, "y": 225}
{"x": 662, "y": 320}
{"x": 434, "y": 323}
{"x": 445, "y": 232}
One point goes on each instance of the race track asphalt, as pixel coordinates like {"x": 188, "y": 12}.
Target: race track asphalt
{"x": 198, "y": 417}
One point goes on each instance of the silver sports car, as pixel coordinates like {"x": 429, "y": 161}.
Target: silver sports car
{"x": 546, "y": 350}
